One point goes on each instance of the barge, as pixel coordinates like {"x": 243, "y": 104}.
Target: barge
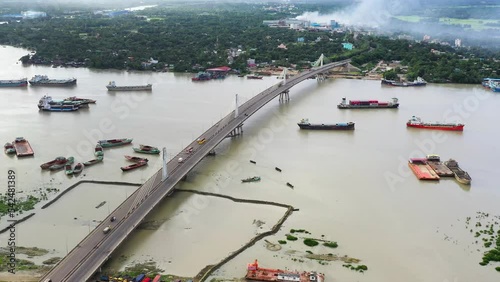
{"x": 43, "y": 80}
{"x": 422, "y": 169}
{"x": 460, "y": 175}
{"x": 23, "y": 82}
{"x": 255, "y": 273}
{"x": 434, "y": 161}
{"x": 23, "y": 147}
{"x": 368, "y": 104}
{"x": 113, "y": 87}
{"x": 305, "y": 124}
{"x": 417, "y": 82}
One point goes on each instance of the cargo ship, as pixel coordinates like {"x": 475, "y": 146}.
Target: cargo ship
{"x": 422, "y": 170}
{"x": 112, "y": 87}
{"x": 368, "y": 104}
{"x": 434, "y": 161}
{"x": 255, "y": 273}
{"x": 23, "y": 147}
{"x": 417, "y": 123}
{"x": 43, "y": 80}
{"x": 460, "y": 175}
{"x": 492, "y": 83}
{"x": 305, "y": 124}
{"x": 417, "y": 82}
{"x": 14, "y": 83}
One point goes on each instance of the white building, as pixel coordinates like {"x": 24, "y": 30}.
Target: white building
{"x": 458, "y": 43}
{"x": 33, "y": 15}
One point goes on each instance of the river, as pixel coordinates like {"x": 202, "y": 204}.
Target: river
{"x": 354, "y": 188}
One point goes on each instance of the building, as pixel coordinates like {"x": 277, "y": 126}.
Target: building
{"x": 33, "y": 15}
{"x": 458, "y": 43}
{"x": 427, "y": 37}
{"x": 300, "y": 39}
{"x": 282, "y": 46}
{"x": 347, "y": 46}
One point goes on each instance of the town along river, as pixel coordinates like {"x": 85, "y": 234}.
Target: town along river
{"x": 353, "y": 187}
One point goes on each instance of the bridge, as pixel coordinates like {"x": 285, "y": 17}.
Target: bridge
{"x": 95, "y": 249}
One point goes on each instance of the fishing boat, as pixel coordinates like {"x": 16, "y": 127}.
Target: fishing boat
{"x": 251, "y": 179}
{"x": 416, "y": 122}
{"x": 114, "y": 142}
{"x": 254, "y": 77}
{"x": 305, "y": 124}
{"x": 113, "y": 87}
{"x": 368, "y": 104}
{"x": 434, "y": 161}
{"x": 23, "y": 147}
{"x": 422, "y": 170}
{"x": 256, "y": 273}
{"x": 133, "y": 166}
{"x": 98, "y": 151}
{"x": 78, "y": 168}
{"x": 145, "y": 149}
{"x": 9, "y": 148}
{"x": 136, "y": 159}
{"x": 68, "y": 169}
{"x": 94, "y": 161}
{"x": 69, "y": 161}
{"x": 58, "y": 160}
{"x": 460, "y": 175}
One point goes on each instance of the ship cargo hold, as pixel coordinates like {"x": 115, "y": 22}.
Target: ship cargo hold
{"x": 113, "y": 87}
{"x": 43, "y": 80}
{"x": 422, "y": 170}
{"x": 305, "y": 124}
{"x": 368, "y": 104}
{"x": 255, "y": 273}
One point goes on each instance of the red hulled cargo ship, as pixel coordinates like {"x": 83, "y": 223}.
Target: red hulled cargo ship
{"x": 254, "y": 272}
{"x": 417, "y": 123}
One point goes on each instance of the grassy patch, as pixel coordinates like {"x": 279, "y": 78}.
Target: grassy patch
{"x": 291, "y": 237}
{"x": 360, "y": 268}
{"x": 310, "y": 242}
{"x": 331, "y": 244}
{"x": 282, "y": 242}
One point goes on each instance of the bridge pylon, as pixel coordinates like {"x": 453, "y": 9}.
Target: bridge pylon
{"x": 236, "y": 107}
{"x": 319, "y": 62}
{"x": 283, "y": 75}
{"x": 164, "y": 165}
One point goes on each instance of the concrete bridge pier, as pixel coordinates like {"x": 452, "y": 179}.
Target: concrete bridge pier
{"x": 237, "y": 131}
{"x": 284, "y": 96}
{"x": 321, "y": 77}
{"x": 212, "y": 152}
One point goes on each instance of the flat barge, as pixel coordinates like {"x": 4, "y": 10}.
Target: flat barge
{"x": 255, "y": 273}
{"x": 368, "y": 104}
{"x": 422, "y": 169}
{"x": 23, "y": 147}
{"x": 305, "y": 124}
{"x": 434, "y": 161}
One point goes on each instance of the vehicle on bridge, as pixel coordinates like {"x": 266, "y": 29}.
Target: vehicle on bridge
{"x": 106, "y": 230}
{"x": 113, "y": 218}
{"x": 201, "y": 140}
{"x": 189, "y": 150}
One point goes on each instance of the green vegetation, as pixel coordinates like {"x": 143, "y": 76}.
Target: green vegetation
{"x": 18, "y": 206}
{"x": 310, "y": 242}
{"x": 361, "y": 268}
{"x": 299, "y": 231}
{"x": 291, "y": 237}
{"x": 282, "y": 242}
{"x": 330, "y": 244}
{"x": 490, "y": 236}
{"x": 21, "y": 264}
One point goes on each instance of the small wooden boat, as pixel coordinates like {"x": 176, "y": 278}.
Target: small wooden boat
{"x": 254, "y": 77}
{"x": 133, "y": 166}
{"x": 100, "y": 204}
{"x": 94, "y": 161}
{"x": 78, "y": 168}
{"x": 136, "y": 159}
{"x": 460, "y": 175}
{"x": 68, "y": 169}
{"x": 145, "y": 149}
{"x": 9, "y": 148}
{"x": 58, "y": 166}
{"x": 278, "y": 169}
{"x": 251, "y": 179}
{"x": 58, "y": 160}
{"x": 98, "y": 151}
{"x": 114, "y": 142}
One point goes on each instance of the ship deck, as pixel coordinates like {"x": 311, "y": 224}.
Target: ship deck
{"x": 423, "y": 171}
{"x": 276, "y": 275}
{"x": 23, "y": 149}
{"x": 441, "y": 169}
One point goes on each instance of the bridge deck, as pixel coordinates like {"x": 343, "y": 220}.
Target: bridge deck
{"x": 86, "y": 258}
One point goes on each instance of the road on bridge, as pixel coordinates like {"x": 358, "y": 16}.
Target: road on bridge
{"x": 95, "y": 249}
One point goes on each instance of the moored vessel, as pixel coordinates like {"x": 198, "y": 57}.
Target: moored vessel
{"x": 113, "y": 87}
{"x": 136, "y": 159}
{"x": 416, "y": 122}
{"x": 8, "y": 148}
{"x": 460, "y": 175}
{"x": 256, "y": 273}
{"x": 23, "y": 82}
{"x": 422, "y": 170}
{"x": 417, "y": 82}
{"x": 202, "y": 76}
{"x": 78, "y": 168}
{"x": 251, "y": 179}
{"x": 58, "y": 166}
{"x": 114, "y": 142}
{"x": 305, "y": 124}
{"x": 145, "y": 149}
{"x": 94, "y": 161}
{"x": 82, "y": 101}
{"x": 368, "y": 104}
{"x": 47, "y": 104}
{"x": 23, "y": 147}
{"x": 43, "y": 80}
{"x": 98, "y": 151}
{"x": 133, "y": 166}
{"x": 254, "y": 76}
{"x": 434, "y": 161}
{"x": 58, "y": 160}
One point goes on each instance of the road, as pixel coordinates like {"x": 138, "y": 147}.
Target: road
{"x": 95, "y": 249}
